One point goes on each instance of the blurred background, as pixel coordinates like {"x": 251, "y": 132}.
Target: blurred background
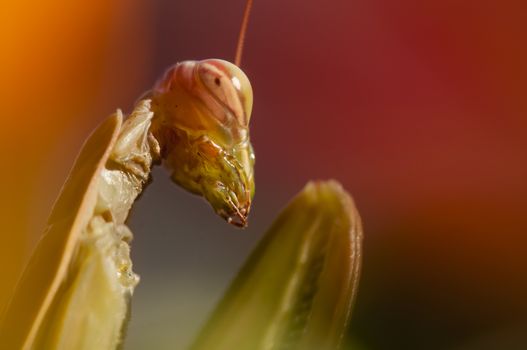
{"x": 417, "y": 107}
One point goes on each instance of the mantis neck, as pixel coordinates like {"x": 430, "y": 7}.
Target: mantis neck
{"x": 128, "y": 168}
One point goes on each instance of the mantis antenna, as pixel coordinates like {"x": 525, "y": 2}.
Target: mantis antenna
{"x": 243, "y": 30}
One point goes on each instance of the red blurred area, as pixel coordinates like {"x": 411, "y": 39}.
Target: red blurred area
{"x": 418, "y": 108}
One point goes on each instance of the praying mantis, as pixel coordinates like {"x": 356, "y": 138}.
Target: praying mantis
{"x": 195, "y": 121}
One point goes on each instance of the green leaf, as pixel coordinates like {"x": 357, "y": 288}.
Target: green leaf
{"x": 297, "y": 288}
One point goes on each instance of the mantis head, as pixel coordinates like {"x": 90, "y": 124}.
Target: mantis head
{"x": 201, "y": 118}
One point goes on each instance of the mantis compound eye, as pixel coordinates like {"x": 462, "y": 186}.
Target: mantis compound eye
{"x": 229, "y": 86}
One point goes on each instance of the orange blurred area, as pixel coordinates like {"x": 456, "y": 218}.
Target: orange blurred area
{"x": 64, "y": 65}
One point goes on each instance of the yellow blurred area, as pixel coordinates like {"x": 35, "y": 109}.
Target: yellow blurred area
{"x": 60, "y": 62}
